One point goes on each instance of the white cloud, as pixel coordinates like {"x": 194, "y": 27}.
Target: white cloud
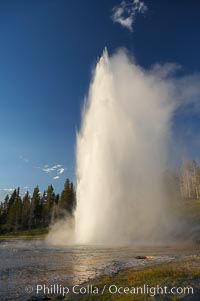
{"x": 57, "y": 166}
{"x": 48, "y": 169}
{"x": 125, "y": 13}
{"x": 56, "y": 169}
{"x": 60, "y": 170}
{"x": 7, "y": 189}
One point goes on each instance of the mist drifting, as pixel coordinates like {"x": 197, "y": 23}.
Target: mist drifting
{"x": 122, "y": 150}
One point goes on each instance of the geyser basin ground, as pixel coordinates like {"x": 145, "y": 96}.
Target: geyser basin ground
{"x": 181, "y": 274}
{"x": 32, "y": 262}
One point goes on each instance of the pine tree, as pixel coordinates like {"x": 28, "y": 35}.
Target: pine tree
{"x": 18, "y": 212}
{"x": 14, "y": 211}
{"x": 11, "y": 210}
{"x": 36, "y": 208}
{"x": 65, "y": 196}
{"x": 26, "y": 206}
{"x": 1, "y": 213}
{"x": 68, "y": 199}
{"x": 36, "y": 211}
{"x": 55, "y": 209}
{"x": 4, "y": 211}
{"x": 72, "y": 201}
{"x": 50, "y": 200}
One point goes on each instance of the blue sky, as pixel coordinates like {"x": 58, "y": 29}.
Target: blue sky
{"x": 47, "y": 52}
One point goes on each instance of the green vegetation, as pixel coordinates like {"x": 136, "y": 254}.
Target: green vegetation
{"x": 34, "y": 233}
{"x": 180, "y": 273}
{"x": 24, "y": 216}
{"x": 190, "y": 208}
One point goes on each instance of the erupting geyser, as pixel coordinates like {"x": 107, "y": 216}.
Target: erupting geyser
{"x": 122, "y": 150}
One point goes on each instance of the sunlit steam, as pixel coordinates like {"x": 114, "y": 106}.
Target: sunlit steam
{"x": 122, "y": 155}
{"x": 122, "y": 150}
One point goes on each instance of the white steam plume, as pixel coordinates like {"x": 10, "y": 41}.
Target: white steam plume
{"x": 122, "y": 152}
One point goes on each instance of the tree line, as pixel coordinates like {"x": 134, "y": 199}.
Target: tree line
{"x": 36, "y": 210}
{"x": 190, "y": 180}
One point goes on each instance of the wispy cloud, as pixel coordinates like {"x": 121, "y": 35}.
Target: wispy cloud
{"x": 125, "y": 13}
{"x": 26, "y": 160}
{"x": 61, "y": 170}
{"x": 57, "y": 169}
{"x": 7, "y": 189}
{"x": 48, "y": 169}
{"x": 10, "y": 190}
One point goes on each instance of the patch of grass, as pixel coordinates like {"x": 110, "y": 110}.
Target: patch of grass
{"x": 189, "y": 209}
{"x": 179, "y": 273}
{"x": 33, "y": 233}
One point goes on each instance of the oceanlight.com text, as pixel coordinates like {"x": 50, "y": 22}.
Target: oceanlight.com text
{"x": 113, "y": 289}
